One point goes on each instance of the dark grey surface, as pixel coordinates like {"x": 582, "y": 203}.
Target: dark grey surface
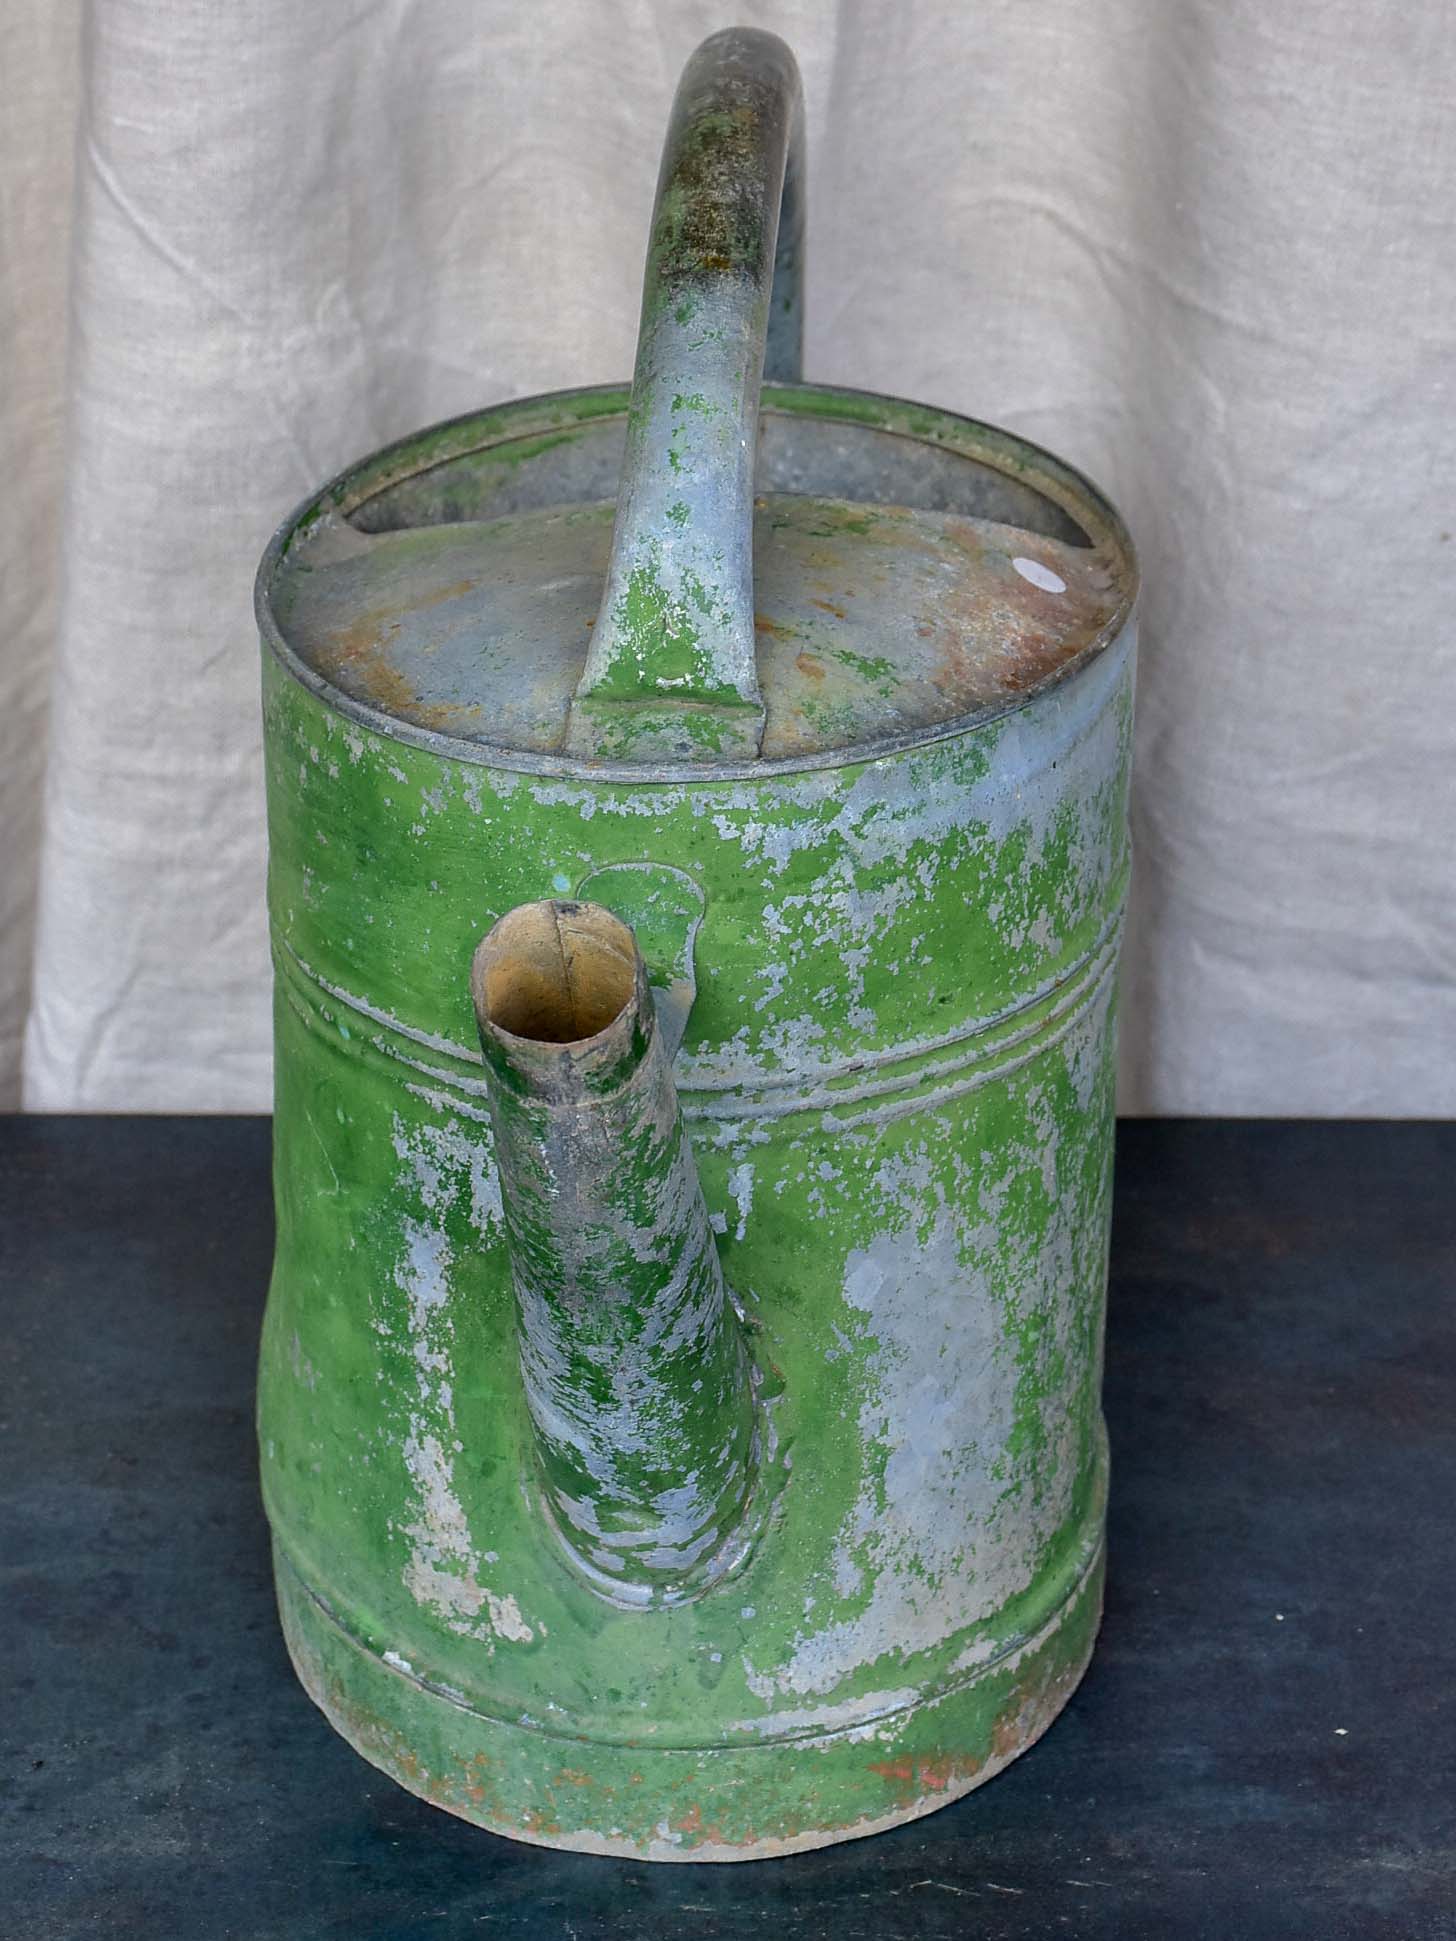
{"x": 1265, "y": 1745}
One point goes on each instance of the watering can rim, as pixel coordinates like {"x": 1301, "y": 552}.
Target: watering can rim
{"x": 976, "y": 439}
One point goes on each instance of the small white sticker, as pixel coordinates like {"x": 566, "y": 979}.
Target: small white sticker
{"x": 1039, "y": 575}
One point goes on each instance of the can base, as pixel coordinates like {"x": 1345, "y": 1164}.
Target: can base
{"x": 722, "y": 1803}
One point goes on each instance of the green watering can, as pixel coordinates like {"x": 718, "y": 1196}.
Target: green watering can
{"x": 698, "y": 825}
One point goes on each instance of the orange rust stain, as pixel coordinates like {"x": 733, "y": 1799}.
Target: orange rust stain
{"x": 828, "y": 606}
{"x": 1007, "y": 1734}
{"x": 809, "y": 664}
{"x": 920, "y": 1776}
{"x": 569, "y": 1776}
{"x": 709, "y": 1832}
{"x": 986, "y": 641}
{"x": 775, "y": 631}
{"x": 356, "y": 656}
{"x": 456, "y": 590}
{"x": 1036, "y": 658}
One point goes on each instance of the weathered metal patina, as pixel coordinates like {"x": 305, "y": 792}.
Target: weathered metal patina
{"x": 679, "y": 1403}
{"x": 633, "y": 1363}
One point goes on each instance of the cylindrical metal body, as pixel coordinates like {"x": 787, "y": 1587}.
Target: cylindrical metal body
{"x": 898, "y": 1081}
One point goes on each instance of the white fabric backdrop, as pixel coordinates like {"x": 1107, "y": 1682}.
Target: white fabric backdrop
{"x": 1204, "y": 248}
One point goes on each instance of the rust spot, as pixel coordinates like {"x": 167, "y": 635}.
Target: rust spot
{"x": 762, "y": 624}
{"x": 991, "y": 634}
{"x": 1036, "y": 657}
{"x": 928, "y": 1775}
{"x": 357, "y": 659}
{"x": 811, "y": 665}
{"x": 1006, "y": 1733}
{"x": 828, "y": 606}
{"x": 457, "y": 590}
{"x": 711, "y": 1832}
{"x": 1033, "y": 1696}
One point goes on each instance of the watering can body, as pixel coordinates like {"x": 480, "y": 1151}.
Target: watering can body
{"x": 882, "y": 962}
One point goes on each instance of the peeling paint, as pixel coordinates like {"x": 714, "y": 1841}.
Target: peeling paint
{"x": 442, "y": 1570}
{"x": 847, "y": 1403}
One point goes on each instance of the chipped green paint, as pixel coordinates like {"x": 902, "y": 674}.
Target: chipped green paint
{"x": 665, "y": 631}
{"x": 632, "y": 1360}
{"x": 676, "y": 624}
{"x": 875, "y": 666}
{"x": 849, "y": 1167}
{"x": 897, "y": 1077}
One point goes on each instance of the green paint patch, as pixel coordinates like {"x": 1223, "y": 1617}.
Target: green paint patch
{"x": 874, "y": 667}
{"x": 516, "y": 451}
{"x": 658, "y": 641}
{"x": 831, "y": 720}
{"x": 695, "y": 402}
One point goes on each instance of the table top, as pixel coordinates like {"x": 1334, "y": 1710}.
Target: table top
{"x": 1265, "y": 1744}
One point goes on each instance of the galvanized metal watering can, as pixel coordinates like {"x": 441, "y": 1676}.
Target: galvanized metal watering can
{"x": 680, "y": 1386}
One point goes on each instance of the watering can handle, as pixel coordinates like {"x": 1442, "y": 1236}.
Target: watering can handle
{"x": 670, "y": 672}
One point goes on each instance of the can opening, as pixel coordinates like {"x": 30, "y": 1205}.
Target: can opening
{"x": 558, "y": 972}
{"x": 805, "y": 456}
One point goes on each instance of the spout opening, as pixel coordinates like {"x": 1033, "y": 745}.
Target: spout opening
{"x": 556, "y": 973}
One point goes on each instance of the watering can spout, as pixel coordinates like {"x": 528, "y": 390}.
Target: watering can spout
{"x": 635, "y": 1369}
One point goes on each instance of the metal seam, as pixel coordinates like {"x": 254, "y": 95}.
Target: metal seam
{"x": 1063, "y": 997}
{"x": 1023, "y": 1641}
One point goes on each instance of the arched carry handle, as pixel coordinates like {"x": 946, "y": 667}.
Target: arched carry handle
{"x": 670, "y": 672}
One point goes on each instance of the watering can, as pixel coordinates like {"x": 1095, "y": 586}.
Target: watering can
{"x": 698, "y": 824}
